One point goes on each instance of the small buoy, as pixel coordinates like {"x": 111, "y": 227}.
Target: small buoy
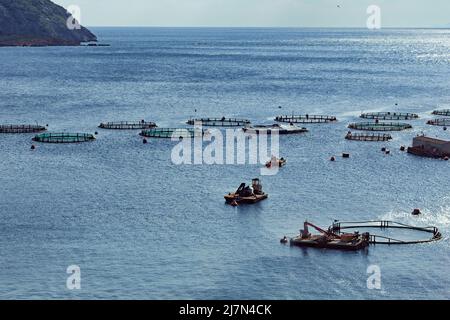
{"x": 284, "y": 240}
{"x": 402, "y": 148}
{"x": 346, "y": 155}
{"x": 445, "y": 128}
{"x": 279, "y": 107}
{"x": 416, "y": 212}
{"x": 234, "y": 203}
{"x": 333, "y": 159}
{"x": 144, "y": 141}
{"x": 33, "y": 147}
{"x": 96, "y": 132}
{"x": 383, "y": 149}
{"x": 46, "y": 125}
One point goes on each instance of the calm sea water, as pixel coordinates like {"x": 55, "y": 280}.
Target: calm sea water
{"x": 141, "y": 227}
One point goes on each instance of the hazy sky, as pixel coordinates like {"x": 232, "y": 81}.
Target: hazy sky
{"x": 282, "y": 13}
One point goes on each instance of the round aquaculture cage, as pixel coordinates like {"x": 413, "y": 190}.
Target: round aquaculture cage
{"x": 306, "y": 119}
{"x": 379, "y": 126}
{"x": 368, "y": 137}
{"x": 21, "y": 128}
{"x": 64, "y": 137}
{"x": 169, "y": 133}
{"x": 445, "y": 113}
{"x": 390, "y": 116}
{"x": 435, "y": 235}
{"x": 445, "y": 122}
{"x": 219, "y": 122}
{"x": 127, "y": 125}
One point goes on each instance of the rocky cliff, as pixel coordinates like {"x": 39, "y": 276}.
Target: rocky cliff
{"x": 38, "y": 23}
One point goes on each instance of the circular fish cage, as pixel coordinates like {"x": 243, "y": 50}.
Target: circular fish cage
{"x": 444, "y": 122}
{"x": 368, "y": 137}
{"x": 339, "y": 227}
{"x": 445, "y": 113}
{"x": 169, "y": 133}
{"x": 306, "y": 119}
{"x": 64, "y": 137}
{"x": 21, "y": 128}
{"x": 389, "y": 116}
{"x": 219, "y": 122}
{"x": 127, "y": 125}
{"x": 379, "y": 126}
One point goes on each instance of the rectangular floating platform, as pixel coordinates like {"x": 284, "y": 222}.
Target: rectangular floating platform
{"x": 127, "y": 125}
{"x": 379, "y": 126}
{"x": 219, "y": 122}
{"x": 276, "y": 128}
{"x": 306, "y": 119}
{"x": 389, "y": 116}
{"x": 64, "y": 137}
{"x": 21, "y": 128}
{"x": 368, "y": 137}
{"x": 168, "y": 133}
{"x": 445, "y": 112}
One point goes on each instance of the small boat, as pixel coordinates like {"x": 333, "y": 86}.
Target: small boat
{"x": 247, "y": 194}
{"x": 275, "y": 162}
{"x": 275, "y": 128}
{"x": 330, "y": 240}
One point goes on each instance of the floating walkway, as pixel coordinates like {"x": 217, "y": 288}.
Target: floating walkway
{"x": 219, "y": 122}
{"x": 169, "y": 133}
{"x": 440, "y": 122}
{"x": 389, "y": 116}
{"x": 64, "y": 137}
{"x": 127, "y": 125}
{"x": 445, "y": 113}
{"x": 21, "y": 128}
{"x": 306, "y": 119}
{"x": 338, "y": 227}
{"x": 368, "y": 137}
{"x": 379, "y": 126}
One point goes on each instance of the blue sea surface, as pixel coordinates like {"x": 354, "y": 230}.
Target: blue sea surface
{"x": 141, "y": 227}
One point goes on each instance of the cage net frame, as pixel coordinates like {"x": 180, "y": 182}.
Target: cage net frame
{"x": 63, "y": 137}
{"x": 219, "y": 122}
{"x": 21, "y": 128}
{"x": 127, "y": 125}
{"x": 375, "y": 137}
{"x": 305, "y": 119}
{"x": 168, "y": 133}
{"x": 389, "y": 115}
{"x": 444, "y": 122}
{"x": 443, "y": 112}
{"x": 379, "y": 126}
